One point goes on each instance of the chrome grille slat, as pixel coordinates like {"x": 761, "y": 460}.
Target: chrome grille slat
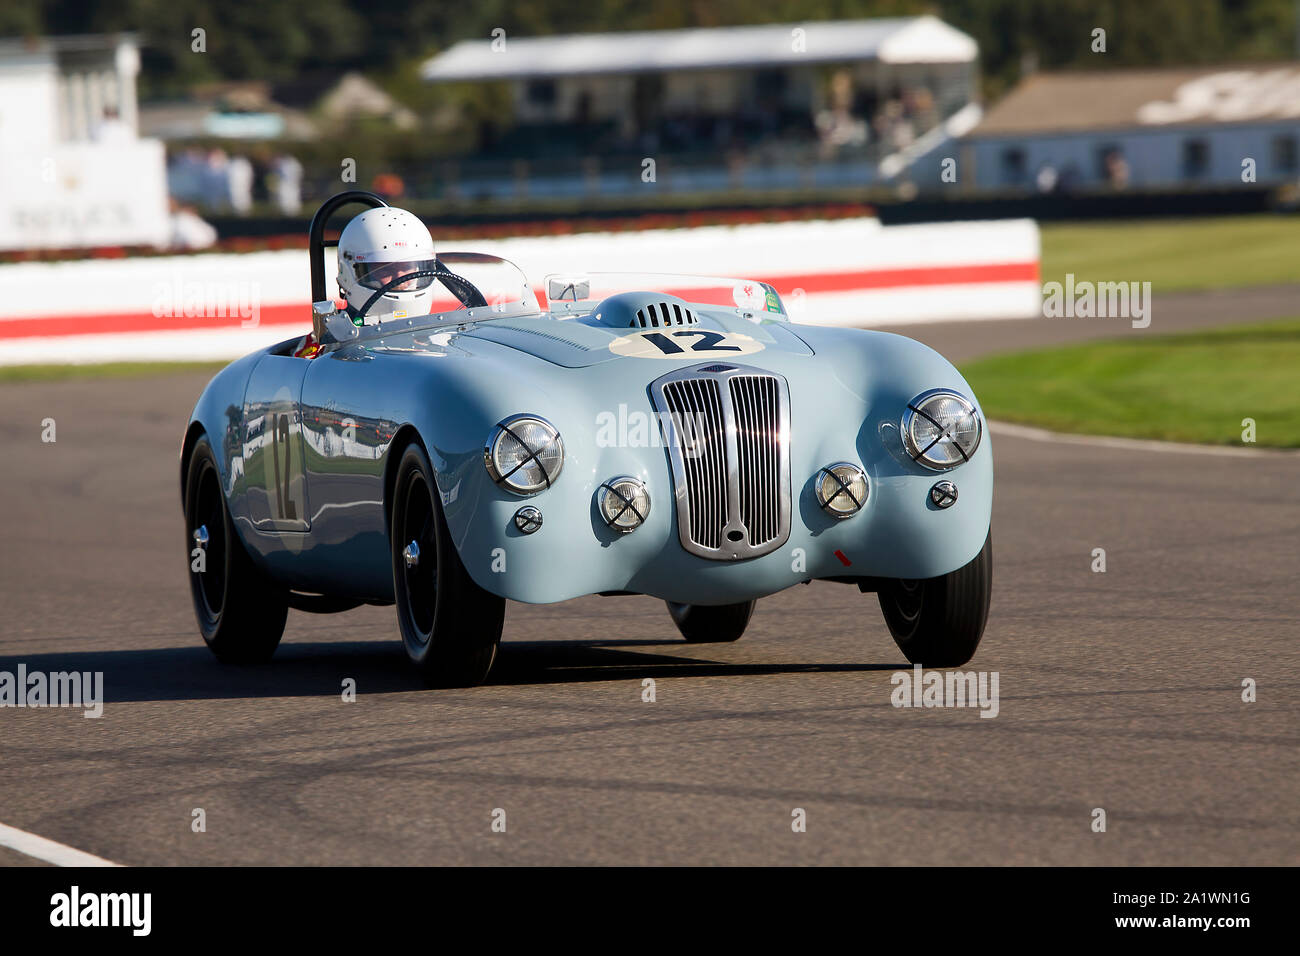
{"x": 757, "y": 445}
{"x": 738, "y": 480}
{"x": 768, "y": 449}
{"x": 711, "y": 534}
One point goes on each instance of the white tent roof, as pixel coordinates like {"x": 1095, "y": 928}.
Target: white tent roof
{"x": 891, "y": 40}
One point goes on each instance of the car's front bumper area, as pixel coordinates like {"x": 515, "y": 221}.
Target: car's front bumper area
{"x": 899, "y": 533}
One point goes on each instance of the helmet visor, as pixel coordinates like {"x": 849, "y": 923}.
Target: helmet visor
{"x": 376, "y": 275}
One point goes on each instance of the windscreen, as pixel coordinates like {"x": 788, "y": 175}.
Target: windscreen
{"x": 502, "y": 284}
{"x": 579, "y": 293}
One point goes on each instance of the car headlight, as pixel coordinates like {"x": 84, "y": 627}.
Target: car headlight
{"x": 941, "y": 429}
{"x": 524, "y": 454}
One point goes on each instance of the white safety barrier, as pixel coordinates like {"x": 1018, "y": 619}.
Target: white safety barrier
{"x": 222, "y": 305}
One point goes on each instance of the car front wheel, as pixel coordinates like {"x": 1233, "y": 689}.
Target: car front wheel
{"x": 938, "y": 622}
{"x": 241, "y": 612}
{"x": 450, "y": 626}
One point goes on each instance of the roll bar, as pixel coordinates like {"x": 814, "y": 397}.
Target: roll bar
{"x": 316, "y": 241}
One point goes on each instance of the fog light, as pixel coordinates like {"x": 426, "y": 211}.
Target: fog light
{"x": 842, "y": 489}
{"x": 943, "y": 494}
{"x": 528, "y": 519}
{"x": 624, "y": 503}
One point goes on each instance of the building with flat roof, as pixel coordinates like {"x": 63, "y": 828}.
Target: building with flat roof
{"x": 1202, "y": 126}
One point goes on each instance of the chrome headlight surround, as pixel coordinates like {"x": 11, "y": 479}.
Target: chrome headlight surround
{"x": 941, "y": 429}
{"x": 842, "y": 489}
{"x": 524, "y": 454}
{"x": 624, "y": 503}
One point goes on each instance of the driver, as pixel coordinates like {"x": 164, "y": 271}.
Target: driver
{"x": 376, "y": 247}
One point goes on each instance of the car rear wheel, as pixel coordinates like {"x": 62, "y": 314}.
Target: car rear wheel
{"x": 711, "y": 624}
{"x": 450, "y": 626}
{"x": 240, "y": 611}
{"x": 938, "y": 622}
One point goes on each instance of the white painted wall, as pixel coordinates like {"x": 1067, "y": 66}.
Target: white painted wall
{"x": 768, "y": 250}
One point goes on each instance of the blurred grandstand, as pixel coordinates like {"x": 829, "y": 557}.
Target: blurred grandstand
{"x": 777, "y": 106}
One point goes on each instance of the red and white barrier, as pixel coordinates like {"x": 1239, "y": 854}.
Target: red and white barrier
{"x": 217, "y": 306}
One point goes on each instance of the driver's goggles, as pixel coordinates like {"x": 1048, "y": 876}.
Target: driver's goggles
{"x": 376, "y": 275}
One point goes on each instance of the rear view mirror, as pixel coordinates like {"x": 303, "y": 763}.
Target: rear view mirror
{"x": 574, "y": 290}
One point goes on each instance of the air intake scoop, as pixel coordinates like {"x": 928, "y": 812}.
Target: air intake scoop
{"x": 643, "y": 310}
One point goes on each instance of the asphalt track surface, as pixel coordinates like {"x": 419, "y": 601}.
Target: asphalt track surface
{"x": 1118, "y": 690}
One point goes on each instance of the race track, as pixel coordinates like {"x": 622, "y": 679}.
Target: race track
{"x": 1118, "y": 690}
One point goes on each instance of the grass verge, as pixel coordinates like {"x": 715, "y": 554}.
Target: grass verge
{"x": 1176, "y": 254}
{"x": 1195, "y": 387}
{"x": 54, "y": 373}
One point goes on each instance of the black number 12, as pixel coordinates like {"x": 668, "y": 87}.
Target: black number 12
{"x": 708, "y": 342}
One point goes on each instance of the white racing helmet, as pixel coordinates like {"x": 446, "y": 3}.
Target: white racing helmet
{"x": 378, "y": 246}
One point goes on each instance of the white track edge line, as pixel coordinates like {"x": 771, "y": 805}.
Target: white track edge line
{"x": 38, "y": 847}
{"x": 1137, "y": 444}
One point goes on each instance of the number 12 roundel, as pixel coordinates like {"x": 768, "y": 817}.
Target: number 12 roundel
{"x": 684, "y": 344}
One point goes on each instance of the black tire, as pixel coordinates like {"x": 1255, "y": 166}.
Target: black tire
{"x": 450, "y": 626}
{"x": 711, "y": 624}
{"x": 241, "y": 612}
{"x": 938, "y": 622}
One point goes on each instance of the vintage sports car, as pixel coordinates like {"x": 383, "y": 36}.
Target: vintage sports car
{"x": 672, "y": 436}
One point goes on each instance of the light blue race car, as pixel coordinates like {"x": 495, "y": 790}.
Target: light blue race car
{"x": 672, "y": 436}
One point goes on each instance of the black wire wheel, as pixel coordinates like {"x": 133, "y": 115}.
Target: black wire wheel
{"x": 450, "y": 626}
{"x": 938, "y": 622}
{"x": 711, "y": 623}
{"x": 240, "y": 611}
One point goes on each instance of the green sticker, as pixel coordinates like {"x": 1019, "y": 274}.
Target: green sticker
{"x": 773, "y": 303}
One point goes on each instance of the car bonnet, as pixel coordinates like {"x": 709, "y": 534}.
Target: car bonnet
{"x": 574, "y": 344}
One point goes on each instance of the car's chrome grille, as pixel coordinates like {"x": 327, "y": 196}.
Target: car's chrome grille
{"x": 729, "y": 448}
{"x": 696, "y": 407}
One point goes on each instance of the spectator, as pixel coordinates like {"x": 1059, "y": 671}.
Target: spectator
{"x": 389, "y": 185}
{"x": 286, "y": 184}
{"x": 188, "y": 230}
{"x": 111, "y": 129}
{"x": 1116, "y": 170}
{"x": 836, "y": 125}
{"x": 239, "y": 180}
{"x": 216, "y": 180}
{"x": 1046, "y": 178}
